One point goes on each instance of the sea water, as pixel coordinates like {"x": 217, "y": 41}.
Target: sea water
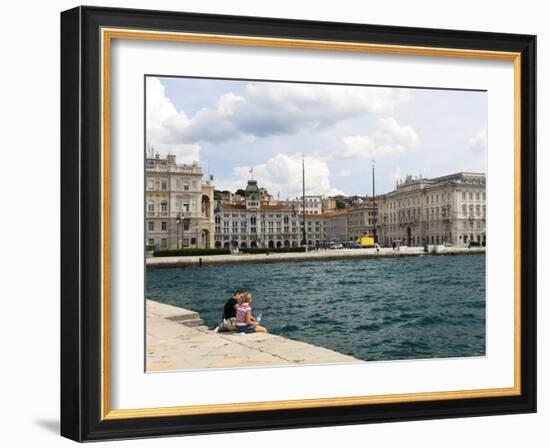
{"x": 372, "y": 309}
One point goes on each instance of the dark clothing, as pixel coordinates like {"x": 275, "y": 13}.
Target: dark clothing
{"x": 229, "y": 310}
{"x": 246, "y": 329}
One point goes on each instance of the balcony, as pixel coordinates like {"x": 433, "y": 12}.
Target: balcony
{"x": 174, "y": 215}
{"x": 150, "y": 214}
{"x": 185, "y": 169}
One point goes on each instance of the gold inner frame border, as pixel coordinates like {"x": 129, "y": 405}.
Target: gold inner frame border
{"x": 107, "y": 35}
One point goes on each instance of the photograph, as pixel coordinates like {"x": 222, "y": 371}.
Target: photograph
{"x": 297, "y": 223}
{"x": 274, "y": 223}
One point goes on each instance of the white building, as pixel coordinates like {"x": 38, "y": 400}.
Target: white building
{"x": 259, "y": 222}
{"x": 313, "y": 204}
{"x": 449, "y": 209}
{"x": 178, "y": 205}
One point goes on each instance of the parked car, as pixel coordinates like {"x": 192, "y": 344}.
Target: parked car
{"x": 337, "y": 246}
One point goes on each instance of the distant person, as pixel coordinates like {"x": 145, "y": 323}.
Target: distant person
{"x": 230, "y": 313}
{"x": 245, "y": 322}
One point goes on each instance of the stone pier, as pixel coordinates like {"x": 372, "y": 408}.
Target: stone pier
{"x": 177, "y": 340}
{"x": 313, "y": 255}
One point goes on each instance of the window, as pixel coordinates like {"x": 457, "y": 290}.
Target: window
{"x": 151, "y": 242}
{"x": 150, "y": 184}
{"x": 185, "y": 224}
{"x": 185, "y": 185}
{"x": 193, "y": 241}
{"x": 185, "y": 206}
{"x": 477, "y": 196}
{"x": 164, "y": 243}
{"x": 163, "y": 226}
{"x": 163, "y": 206}
{"x": 151, "y": 226}
{"x": 163, "y": 185}
{"x": 150, "y": 206}
{"x": 463, "y": 195}
{"x": 470, "y": 195}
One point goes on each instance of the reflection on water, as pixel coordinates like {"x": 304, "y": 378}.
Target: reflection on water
{"x": 372, "y": 309}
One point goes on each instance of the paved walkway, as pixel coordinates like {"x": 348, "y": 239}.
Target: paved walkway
{"x": 314, "y": 255}
{"x": 173, "y": 345}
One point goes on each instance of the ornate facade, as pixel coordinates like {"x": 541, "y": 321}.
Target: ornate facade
{"x": 444, "y": 210}
{"x": 180, "y": 213}
{"x": 178, "y": 205}
{"x": 256, "y": 223}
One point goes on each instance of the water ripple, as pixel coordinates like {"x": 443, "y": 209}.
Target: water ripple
{"x": 385, "y": 309}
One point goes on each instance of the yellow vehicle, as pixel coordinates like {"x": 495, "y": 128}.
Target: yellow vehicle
{"x": 366, "y": 241}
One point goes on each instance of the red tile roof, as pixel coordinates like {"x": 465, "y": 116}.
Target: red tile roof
{"x": 233, "y": 206}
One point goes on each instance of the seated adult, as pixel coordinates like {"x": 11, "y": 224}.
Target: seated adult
{"x": 229, "y": 313}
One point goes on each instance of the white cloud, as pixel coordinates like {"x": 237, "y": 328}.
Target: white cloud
{"x": 478, "y": 143}
{"x": 344, "y": 172}
{"x": 164, "y": 124}
{"x": 389, "y": 130}
{"x": 267, "y": 109}
{"x": 282, "y": 174}
{"x": 396, "y": 174}
{"x": 389, "y": 138}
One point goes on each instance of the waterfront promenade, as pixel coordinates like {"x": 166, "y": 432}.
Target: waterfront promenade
{"x": 313, "y": 255}
{"x": 177, "y": 340}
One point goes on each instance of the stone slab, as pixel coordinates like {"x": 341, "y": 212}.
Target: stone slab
{"x": 173, "y": 346}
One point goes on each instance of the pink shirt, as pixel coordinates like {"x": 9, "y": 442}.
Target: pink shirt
{"x": 242, "y": 309}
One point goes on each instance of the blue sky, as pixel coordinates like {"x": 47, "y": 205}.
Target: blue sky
{"x": 231, "y": 126}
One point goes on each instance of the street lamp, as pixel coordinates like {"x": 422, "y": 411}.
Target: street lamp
{"x": 179, "y": 221}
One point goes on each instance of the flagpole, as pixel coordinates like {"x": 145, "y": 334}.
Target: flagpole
{"x": 304, "y": 201}
{"x": 374, "y": 209}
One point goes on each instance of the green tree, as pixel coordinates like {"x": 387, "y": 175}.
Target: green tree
{"x": 340, "y": 204}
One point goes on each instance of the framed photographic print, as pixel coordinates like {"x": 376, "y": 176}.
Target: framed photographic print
{"x": 273, "y": 223}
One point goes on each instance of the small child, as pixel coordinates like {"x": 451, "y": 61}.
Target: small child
{"x": 245, "y": 322}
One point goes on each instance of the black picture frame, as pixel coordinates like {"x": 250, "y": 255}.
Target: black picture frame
{"x": 81, "y": 211}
